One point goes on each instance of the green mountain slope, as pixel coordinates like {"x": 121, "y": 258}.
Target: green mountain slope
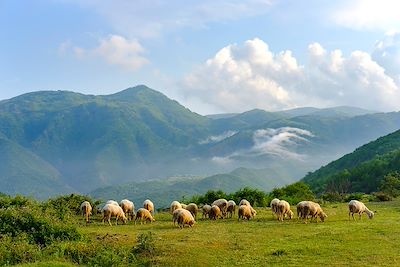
{"x": 360, "y": 171}
{"x": 29, "y": 175}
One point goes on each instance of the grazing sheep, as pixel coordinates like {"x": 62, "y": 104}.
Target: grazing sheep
{"x": 192, "y": 207}
{"x": 300, "y": 209}
{"x": 148, "y": 205}
{"x": 206, "y": 210}
{"x": 356, "y": 206}
{"x": 283, "y": 209}
{"x": 183, "y": 217}
{"x": 143, "y": 214}
{"x": 244, "y": 202}
{"x": 222, "y": 205}
{"x": 215, "y": 213}
{"x": 246, "y": 212}
{"x": 111, "y": 210}
{"x": 86, "y": 209}
{"x": 128, "y": 207}
{"x": 113, "y": 202}
{"x": 231, "y": 209}
{"x": 174, "y": 206}
{"x": 274, "y": 206}
{"x": 314, "y": 210}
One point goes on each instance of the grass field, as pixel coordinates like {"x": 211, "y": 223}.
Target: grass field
{"x": 264, "y": 241}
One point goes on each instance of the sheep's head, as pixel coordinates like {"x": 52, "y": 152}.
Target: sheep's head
{"x": 322, "y": 216}
{"x": 290, "y": 214}
{"x": 370, "y": 215}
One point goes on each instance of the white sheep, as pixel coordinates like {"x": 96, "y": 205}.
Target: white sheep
{"x": 244, "y": 202}
{"x": 148, "y": 205}
{"x": 113, "y": 202}
{"x": 206, "y": 210}
{"x": 183, "y": 217}
{"x": 86, "y": 209}
{"x": 111, "y": 210}
{"x": 314, "y": 210}
{"x": 222, "y": 205}
{"x": 183, "y": 205}
{"x": 174, "y": 206}
{"x": 215, "y": 213}
{"x": 231, "y": 209}
{"x": 300, "y": 209}
{"x": 356, "y": 206}
{"x": 283, "y": 209}
{"x": 274, "y": 206}
{"x": 128, "y": 207}
{"x": 143, "y": 214}
{"x": 246, "y": 212}
{"x": 192, "y": 207}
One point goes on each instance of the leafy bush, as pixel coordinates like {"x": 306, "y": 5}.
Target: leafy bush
{"x": 382, "y": 196}
{"x": 293, "y": 193}
{"x": 38, "y": 226}
{"x": 390, "y": 184}
{"x": 356, "y": 196}
{"x": 256, "y": 197}
{"x": 15, "y": 250}
{"x": 17, "y": 201}
{"x": 332, "y": 197}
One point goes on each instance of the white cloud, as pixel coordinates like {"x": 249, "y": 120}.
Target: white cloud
{"x": 143, "y": 19}
{"x": 281, "y": 142}
{"x": 240, "y": 78}
{"x": 115, "y": 50}
{"x": 368, "y": 14}
{"x": 217, "y": 138}
{"x": 387, "y": 54}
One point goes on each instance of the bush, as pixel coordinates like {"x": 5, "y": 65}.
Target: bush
{"x": 293, "y": 193}
{"x": 256, "y": 197}
{"x": 332, "y": 197}
{"x": 382, "y": 196}
{"x": 356, "y": 196}
{"x": 16, "y": 250}
{"x": 39, "y": 227}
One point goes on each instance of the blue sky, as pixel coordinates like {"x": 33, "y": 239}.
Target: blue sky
{"x": 211, "y": 56}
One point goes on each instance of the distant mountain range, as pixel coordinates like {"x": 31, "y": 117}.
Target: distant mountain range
{"x": 54, "y": 142}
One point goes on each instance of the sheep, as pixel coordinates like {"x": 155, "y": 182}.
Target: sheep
{"x": 174, "y": 206}
{"x": 231, "y": 208}
{"x": 246, "y": 212}
{"x": 244, "y": 202}
{"x": 112, "y": 202}
{"x": 215, "y": 213}
{"x": 128, "y": 207}
{"x": 192, "y": 207}
{"x": 110, "y": 210}
{"x": 206, "y": 210}
{"x": 273, "y": 205}
{"x": 314, "y": 210}
{"x": 148, "y": 205}
{"x": 300, "y": 208}
{"x": 356, "y": 206}
{"x": 143, "y": 214}
{"x": 183, "y": 217}
{"x": 183, "y": 205}
{"x": 283, "y": 209}
{"x": 222, "y": 205}
{"x": 86, "y": 209}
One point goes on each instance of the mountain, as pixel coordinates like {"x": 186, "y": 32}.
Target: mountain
{"x": 29, "y": 175}
{"x": 361, "y": 170}
{"x": 77, "y": 143}
{"x": 163, "y": 192}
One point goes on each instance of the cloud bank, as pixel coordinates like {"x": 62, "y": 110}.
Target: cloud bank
{"x": 243, "y": 77}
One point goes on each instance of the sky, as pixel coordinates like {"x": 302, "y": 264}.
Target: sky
{"x": 211, "y": 56}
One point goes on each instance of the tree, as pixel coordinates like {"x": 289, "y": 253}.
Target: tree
{"x": 391, "y": 184}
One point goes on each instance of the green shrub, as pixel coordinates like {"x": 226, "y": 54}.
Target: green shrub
{"x": 15, "y": 250}
{"x": 293, "y": 193}
{"x": 40, "y": 228}
{"x": 382, "y": 196}
{"x": 356, "y": 196}
{"x": 332, "y": 197}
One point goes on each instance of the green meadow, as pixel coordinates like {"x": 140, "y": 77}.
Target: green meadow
{"x": 262, "y": 241}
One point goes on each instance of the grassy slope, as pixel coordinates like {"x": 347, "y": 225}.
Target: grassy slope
{"x": 265, "y": 241}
